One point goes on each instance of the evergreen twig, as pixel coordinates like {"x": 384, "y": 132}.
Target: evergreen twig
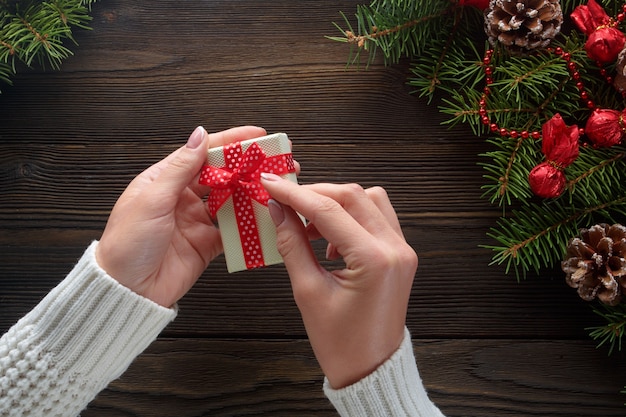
{"x": 612, "y": 332}
{"x": 35, "y": 32}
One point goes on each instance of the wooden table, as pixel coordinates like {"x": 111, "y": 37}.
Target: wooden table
{"x": 143, "y": 78}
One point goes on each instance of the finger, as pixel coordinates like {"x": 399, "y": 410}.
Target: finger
{"x": 359, "y": 204}
{"x": 223, "y": 137}
{"x": 146, "y": 179}
{"x": 176, "y": 172}
{"x": 235, "y": 134}
{"x": 293, "y": 243}
{"x": 381, "y": 199}
{"x": 334, "y": 223}
{"x": 297, "y": 166}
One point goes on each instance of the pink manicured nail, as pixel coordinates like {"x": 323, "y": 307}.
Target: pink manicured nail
{"x": 268, "y": 176}
{"x": 276, "y": 211}
{"x": 196, "y": 138}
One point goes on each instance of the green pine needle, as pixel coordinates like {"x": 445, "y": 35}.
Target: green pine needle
{"x": 612, "y": 332}
{"x": 35, "y": 32}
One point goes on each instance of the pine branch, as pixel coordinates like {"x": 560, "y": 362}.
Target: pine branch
{"x": 595, "y": 170}
{"x": 396, "y": 29}
{"x": 612, "y": 332}
{"x": 447, "y": 65}
{"x": 536, "y": 235}
{"x": 34, "y": 32}
{"x": 510, "y": 163}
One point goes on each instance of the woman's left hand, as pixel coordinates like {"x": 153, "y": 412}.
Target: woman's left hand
{"x": 159, "y": 237}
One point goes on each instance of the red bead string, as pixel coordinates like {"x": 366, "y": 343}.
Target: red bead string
{"x": 489, "y": 69}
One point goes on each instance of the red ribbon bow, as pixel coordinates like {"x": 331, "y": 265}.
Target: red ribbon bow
{"x": 240, "y": 178}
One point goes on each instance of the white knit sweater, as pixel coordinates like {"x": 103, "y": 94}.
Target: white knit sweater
{"x": 87, "y": 331}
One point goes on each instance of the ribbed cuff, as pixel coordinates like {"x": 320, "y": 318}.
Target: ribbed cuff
{"x": 93, "y": 325}
{"x": 394, "y": 389}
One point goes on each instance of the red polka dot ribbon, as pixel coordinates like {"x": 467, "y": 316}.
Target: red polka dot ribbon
{"x": 240, "y": 178}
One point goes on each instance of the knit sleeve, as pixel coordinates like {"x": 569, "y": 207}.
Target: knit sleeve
{"x": 81, "y": 336}
{"x": 394, "y": 389}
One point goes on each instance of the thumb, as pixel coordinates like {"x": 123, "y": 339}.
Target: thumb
{"x": 183, "y": 166}
{"x": 293, "y": 244}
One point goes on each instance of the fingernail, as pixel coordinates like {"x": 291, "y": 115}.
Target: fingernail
{"x": 268, "y": 176}
{"x": 196, "y": 138}
{"x": 276, "y": 211}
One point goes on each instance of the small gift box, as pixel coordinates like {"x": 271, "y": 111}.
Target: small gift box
{"x": 239, "y": 202}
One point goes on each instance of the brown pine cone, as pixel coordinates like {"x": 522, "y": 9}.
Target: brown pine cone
{"x": 595, "y": 263}
{"x": 619, "y": 82}
{"x": 523, "y": 25}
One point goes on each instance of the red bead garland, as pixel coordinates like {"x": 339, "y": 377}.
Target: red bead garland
{"x": 535, "y": 134}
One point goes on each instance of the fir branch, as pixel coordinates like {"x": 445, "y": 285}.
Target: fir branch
{"x": 504, "y": 181}
{"x": 536, "y": 235}
{"x": 509, "y": 164}
{"x": 435, "y": 77}
{"x": 524, "y": 94}
{"x": 6, "y": 71}
{"x": 612, "y": 332}
{"x": 40, "y": 37}
{"x": 448, "y": 65}
{"x": 34, "y": 32}
{"x": 391, "y": 28}
{"x": 596, "y": 165}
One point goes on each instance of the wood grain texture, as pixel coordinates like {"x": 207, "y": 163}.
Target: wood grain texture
{"x": 140, "y": 82}
{"x": 473, "y": 378}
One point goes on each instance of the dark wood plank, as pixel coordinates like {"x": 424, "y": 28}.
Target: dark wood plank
{"x": 450, "y": 298}
{"x": 281, "y": 378}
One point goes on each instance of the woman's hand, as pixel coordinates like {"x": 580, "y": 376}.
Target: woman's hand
{"x": 354, "y": 316}
{"x": 159, "y": 237}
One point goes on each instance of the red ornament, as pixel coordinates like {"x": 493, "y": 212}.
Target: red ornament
{"x": 605, "y": 127}
{"x": 481, "y": 4}
{"x": 604, "y": 40}
{"x": 560, "y": 146}
{"x": 547, "y": 180}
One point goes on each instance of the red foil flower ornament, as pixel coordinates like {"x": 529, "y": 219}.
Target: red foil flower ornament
{"x": 604, "y": 40}
{"x": 560, "y": 146}
{"x": 606, "y": 127}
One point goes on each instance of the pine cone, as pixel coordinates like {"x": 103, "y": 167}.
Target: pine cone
{"x": 523, "y": 25}
{"x": 619, "y": 82}
{"x": 595, "y": 263}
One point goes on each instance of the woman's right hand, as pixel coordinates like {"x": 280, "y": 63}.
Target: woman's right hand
{"x": 354, "y": 316}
